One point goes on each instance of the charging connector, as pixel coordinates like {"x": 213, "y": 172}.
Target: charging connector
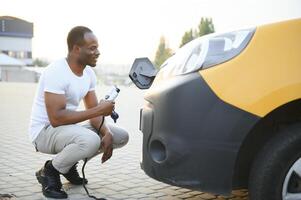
{"x": 111, "y": 96}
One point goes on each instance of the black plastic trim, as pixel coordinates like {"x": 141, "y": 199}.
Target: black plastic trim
{"x": 201, "y": 134}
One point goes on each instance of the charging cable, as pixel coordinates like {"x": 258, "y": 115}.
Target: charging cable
{"x": 111, "y": 96}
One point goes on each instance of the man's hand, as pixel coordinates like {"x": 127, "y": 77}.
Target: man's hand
{"x": 107, "y": 146}
{"x": 106, "y": 107}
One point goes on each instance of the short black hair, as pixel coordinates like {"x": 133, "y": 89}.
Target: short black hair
{"x": 76, "y": 36}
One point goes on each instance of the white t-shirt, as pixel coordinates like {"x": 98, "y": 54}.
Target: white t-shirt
{"x": 59, "y": 79}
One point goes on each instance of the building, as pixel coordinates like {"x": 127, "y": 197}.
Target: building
{"x": 16, "y": 38}
{"x": 13, "y": 70}
{"x": 16, "y": 50}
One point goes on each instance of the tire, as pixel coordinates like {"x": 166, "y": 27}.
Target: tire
{"x": 274, "y": 172}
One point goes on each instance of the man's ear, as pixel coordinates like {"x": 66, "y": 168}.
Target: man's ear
{"x": 76, "y": 48}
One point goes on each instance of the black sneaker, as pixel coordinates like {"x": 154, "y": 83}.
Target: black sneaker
{"x": 73, "y": 177}
{"x": 50, "y": 180}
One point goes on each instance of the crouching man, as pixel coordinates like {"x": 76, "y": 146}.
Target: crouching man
{"x": 54, "y": 118}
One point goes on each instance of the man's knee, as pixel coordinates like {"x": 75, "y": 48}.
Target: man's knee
{"x": 90, "y": 143}
{"x": 121, "y": 138}
{"x": 125, "y": 138}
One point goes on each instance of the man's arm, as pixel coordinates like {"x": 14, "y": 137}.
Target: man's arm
{"x": 58, "y": 114}
{"x": 90, "y": 101}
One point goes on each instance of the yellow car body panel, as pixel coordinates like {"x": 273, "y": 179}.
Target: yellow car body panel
{"x": 265, "y": 75}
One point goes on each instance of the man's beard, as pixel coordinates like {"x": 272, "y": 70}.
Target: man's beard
{"x": 85, "y": 62}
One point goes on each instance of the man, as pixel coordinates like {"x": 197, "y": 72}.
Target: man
{"x": 54, "y": 118}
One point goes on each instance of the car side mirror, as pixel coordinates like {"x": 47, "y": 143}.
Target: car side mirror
{"x": 143, "y": 73}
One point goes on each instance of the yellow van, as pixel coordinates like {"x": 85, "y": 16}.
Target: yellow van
{"x": 224, "y": 113}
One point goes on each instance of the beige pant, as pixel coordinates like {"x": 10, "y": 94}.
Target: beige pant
{"x": 74, "y": 142}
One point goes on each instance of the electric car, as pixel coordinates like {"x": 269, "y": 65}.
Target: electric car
{"x": 224, "y": 113}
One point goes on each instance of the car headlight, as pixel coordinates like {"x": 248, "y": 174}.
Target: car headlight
{"x": 206, "y": 51}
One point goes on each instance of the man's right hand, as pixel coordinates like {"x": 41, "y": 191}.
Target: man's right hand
{"x": 106, "y": 107}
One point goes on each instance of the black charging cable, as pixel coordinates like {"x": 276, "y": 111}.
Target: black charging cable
{"x": 83, "y": 168}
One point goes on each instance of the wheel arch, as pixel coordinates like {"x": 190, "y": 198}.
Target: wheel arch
{"x": 263, "y": 130}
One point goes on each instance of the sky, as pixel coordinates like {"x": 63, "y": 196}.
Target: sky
{"x": 127, "y": 29}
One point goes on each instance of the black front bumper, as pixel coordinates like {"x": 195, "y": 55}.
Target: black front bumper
{"x": 191, "y": 138}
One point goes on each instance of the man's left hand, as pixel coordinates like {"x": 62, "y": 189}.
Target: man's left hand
{"x": 107, "y": 146}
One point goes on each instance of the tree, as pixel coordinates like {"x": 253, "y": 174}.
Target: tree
{"x": 187, "y": 37}
{"x": 40, "y": 62}
{"x": 205, "y": 27}
{"x": 162, "y": 53}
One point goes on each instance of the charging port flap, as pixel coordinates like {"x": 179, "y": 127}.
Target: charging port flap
{"x": 143, "y": 73}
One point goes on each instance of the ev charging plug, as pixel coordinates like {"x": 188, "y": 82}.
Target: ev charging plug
{"x": 111, "y": 96}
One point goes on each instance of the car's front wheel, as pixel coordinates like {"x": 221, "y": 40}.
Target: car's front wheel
{"x": 276, "y": 171}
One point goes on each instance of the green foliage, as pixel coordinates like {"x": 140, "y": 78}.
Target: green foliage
{"x": 40, "y": 62}
{"x": 205, "y": 27}
{"x": 162, "y": 53}
{"x": 188, "y": 36}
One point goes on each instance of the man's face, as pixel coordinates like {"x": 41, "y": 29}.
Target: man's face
{"x": 89, "y": 53}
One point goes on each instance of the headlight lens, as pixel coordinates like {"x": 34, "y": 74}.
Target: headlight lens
{"x": 206, "y": 51}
